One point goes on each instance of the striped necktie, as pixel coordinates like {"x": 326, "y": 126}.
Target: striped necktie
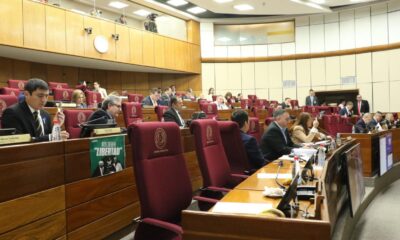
{"x": 38, "y": 126}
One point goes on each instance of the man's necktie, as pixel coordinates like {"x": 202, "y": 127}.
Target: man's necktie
{"x": 38, "y": 126}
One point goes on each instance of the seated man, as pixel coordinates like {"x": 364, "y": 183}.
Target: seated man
{"x": 362, "y": 124}
{"x": 172, "y": 114}
{"x": 250, "y": 143}
{"x": 376, "y": 121}
{"x": 347, "y": 111}
{"x": 152, "y": 99}
{"x": 100, "y": 90}
{"x": 276, "y": 140}
{"x": 108, "y": 113}
{"x": 220, "y": 103}
{"x": 28, "y": 116}
{"x": 286, "y": 104}
{"x": 166, "y": 96}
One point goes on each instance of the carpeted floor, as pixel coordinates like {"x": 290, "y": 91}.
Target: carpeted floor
{"x": 380, "y": 220}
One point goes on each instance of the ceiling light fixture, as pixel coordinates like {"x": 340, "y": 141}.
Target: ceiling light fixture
{"x": 196, "y": 10}
{"x": 118, "y": 5}
{"x": 142, "y": 12}
{"x": 177, "y": 3}
{"x": 318, "y": 1}
{"x": 243, "y": 7}
{"x": 313, "y": 5}
{"x": 222, "y": 1}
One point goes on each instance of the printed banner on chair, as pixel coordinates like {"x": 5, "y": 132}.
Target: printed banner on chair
{"x": 107, "y": 155}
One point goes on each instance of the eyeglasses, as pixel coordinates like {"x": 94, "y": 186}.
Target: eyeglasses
{"x": 117, "y": 105}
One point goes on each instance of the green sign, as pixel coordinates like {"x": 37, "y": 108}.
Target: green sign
{"x": 107, "y": 155}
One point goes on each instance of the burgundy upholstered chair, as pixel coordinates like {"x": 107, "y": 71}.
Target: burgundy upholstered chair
{"x": 19, "y": 84}
{"x": 233, "y": 146}
{"x": 74, "y": 117}
{"x": 62, "y": 94}
{"x": 294, "y": 103}
{"x": 160, "y": 110}
{"x": 214, "y": 97}
{"x": 254, "y": 128}
{"x": 162, "y": 179}
{"x": 261, "y": 103}
{"x": 246, "y": 104}
{"x": 5, "y": 102}
{"x": 132, "y": 112}
{"x": 57, "y": 85}
{"x": 253, "y": 98}
{"x": 313, "y": 110}
{"x": 135, "y": 98}
{"x": 331, "y": 123}
{"x": 210, "y": 109}
{"x": 92, "y": 99}
{"x": 268, "y": 121}
{"x": 211, "y": 156}
{"x": 345, "y": 125}
{"x": 9, "y": 91}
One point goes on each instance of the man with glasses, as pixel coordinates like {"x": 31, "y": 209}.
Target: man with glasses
{"x": 28, "y": 116}
{"x": 108, "y": 113}
{"x": 276, "y": 140}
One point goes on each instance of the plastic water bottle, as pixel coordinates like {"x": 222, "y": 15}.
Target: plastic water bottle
{"x": 321, "y": 155}
{"x": 332, "y": 146}
{"x": 56, "y": 132}
{"x": 338, "y": 140}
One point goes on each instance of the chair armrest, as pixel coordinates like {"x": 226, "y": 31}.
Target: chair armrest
{"x": 165, "y": 225}
{"x": 217, "y": 189}
{"x": 239, "y": 176}
{"x": 205, "y": 199}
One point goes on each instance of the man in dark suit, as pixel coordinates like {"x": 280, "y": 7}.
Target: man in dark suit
{"x": 153, "y": 99}
{"x": 376, "y": 121}
{"x": 362, "y": 106}
{"x": 108, "y": 113}
{"x": 276, "y": 140}
{"x": 312, "y": 100}
{"x": 254, "y": 155}
{"x": 28, "y": 116}
{"x": 172, "y": 114}
{"x": 361, "y": 125}
{"x": 286, "y": 104}
{"x": 166, "y": 96}
{"x": 347, "y": 111}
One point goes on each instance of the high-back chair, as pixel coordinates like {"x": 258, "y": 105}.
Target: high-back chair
{"x": 331, "y": 124}
{"x": 253, "y": 98}
{"x": 135, "y": 97}
{"x": 261, "y": 103}
{"x": 92, "y": 99}
{"x": 246, "y": 104}
{"x": 160, "y": 110}
{"x": 210, "y": 109}
{"x": 19, "y": 84}
{"x": 5, "y": 102}
{"x": 314, "y": 111}
{"x": 162, "y": 179}
{"x": 132, "y": 112}
{"x": 214, "y": 97}
{"x": 233, "y": 146}
{"x": 254, "y": 128}
{"x": 9, "y": 91}
{"x": 211, "y": 155}
{"x": 294, "y": 103}
{"x": 73, "y": 118}
{"x": 58, "y": 85}
{"x": 62, "y": 94}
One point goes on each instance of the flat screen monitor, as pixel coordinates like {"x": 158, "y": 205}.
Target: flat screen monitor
{"x": 290, "y": 194}
{"x": 355, "y": 180}
{"x": 88, "y": 128}
{"x": 7, "y": 131}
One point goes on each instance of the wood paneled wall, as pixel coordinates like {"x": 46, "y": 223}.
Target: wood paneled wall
{"x": 133, "y": 82}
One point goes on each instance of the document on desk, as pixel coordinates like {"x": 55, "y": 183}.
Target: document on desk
{"x": 241, "y": 208}
{"x": 304, "y": 151}
{"x": 273, "y": 176}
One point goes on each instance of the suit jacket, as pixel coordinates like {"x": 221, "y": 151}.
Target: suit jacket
{"x": 364, "y": 107}
{"x": 148, "y": 102}
{"x": 172, "y": 116}
{"x": 361, "y": 127}
{"x": 308, "y": 101}
{"x": 165, "y": 99}
{"x": 344, "y": 112}
{"x": 253, "y": 153}
{"x": 20, "y": 117}
{"x": 273, "y": 144}
{"x": 284, "y": 106}
{"x": 372, "y": 124}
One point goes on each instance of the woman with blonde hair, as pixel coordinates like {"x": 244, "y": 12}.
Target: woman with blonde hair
{"x": 304, "y": 130}
{"x": 78, "y": 97}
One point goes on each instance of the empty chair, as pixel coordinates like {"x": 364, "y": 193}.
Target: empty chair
{"x": 253, "y": 98}
{"x": 19, "y": 84}
{"x": 9, "y": 91}
{"x": 210, "y": 109}
{"x": 160, "y": 110}
{"x": 162, "y": 179}
{"x": 314, "y": 111}
{"x": 57, "y": 85}
{"x": 261, "y": 103}
{"x": 233, "y": 146}
{"x": 331, "y": 123}
{"x": 135, "y": 98}
{"x": 61, "y": 94}
{"x": 73, "y": 118}
{"x": 5, "y": 102}
{"x": 245, "y": 104}
{"x": 254, "y": 128}
{"x": 132, "y": 112}
{"x": 294, "y": 103}
{"x": 345, "y": 125}
{"x": 214, "y": 98}
{"x": 92, "y": 99}
{"x": 212, "y": 158}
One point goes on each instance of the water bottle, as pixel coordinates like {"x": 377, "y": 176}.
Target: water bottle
{"x": 321, "y": 155}
{"x": 338, "y": 140}
{"x": 332, "y": 146}
{"x": 56, "y": 132}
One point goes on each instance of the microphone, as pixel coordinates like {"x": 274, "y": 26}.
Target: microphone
{"x": 280, "y": 164}
{"x": 90, "y": 121}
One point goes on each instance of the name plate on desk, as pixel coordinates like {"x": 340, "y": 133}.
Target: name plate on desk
{"x": 68, "y": 105}
{"x": 104, "y": 131}
{"x": 18, "y": 138}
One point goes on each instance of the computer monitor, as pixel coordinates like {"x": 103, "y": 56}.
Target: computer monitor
{"x": 87, "y": 129}
{"x": 354, "y": 175}
{"x": 290, "y": 194}
{"x": 308, "y": 167}
{"x": 7, "y": 131}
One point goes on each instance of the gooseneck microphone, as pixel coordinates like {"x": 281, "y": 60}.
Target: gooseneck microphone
{"x": 91, "y": 121}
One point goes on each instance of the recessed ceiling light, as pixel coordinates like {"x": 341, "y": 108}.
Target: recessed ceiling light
{"x": 224, "y": 39}
{"x": 223, "y": 1}
{"x": 318, "y": 1}
{"x": 118, "y": 5}
{"x": 177, "y": 3}
{"x": 243, "y": 7}
{"x": 196, "y": 10}
{"x": 242, "y": 39}
{"x": 142, "y": 12}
